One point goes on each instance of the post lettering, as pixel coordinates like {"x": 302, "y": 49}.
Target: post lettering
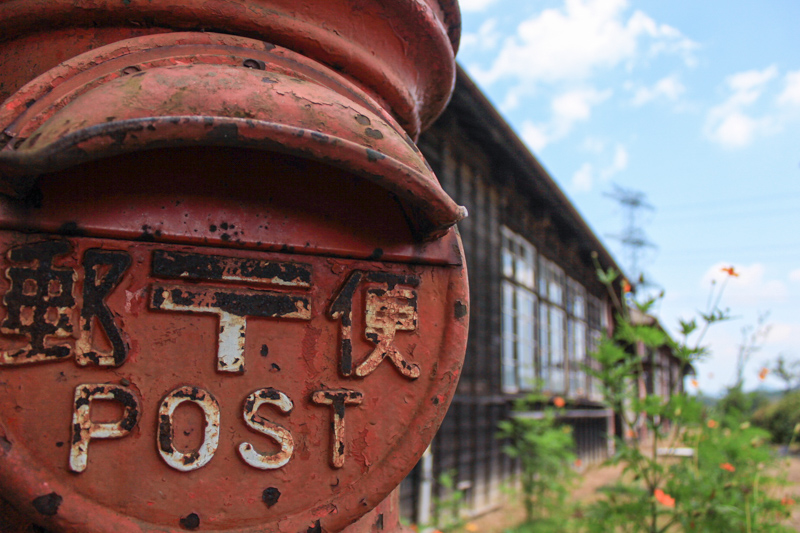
{"x": 186, "y": 462}
{"x": 278, "y": 433}
{"x": 389, "y": 309}
{"x": 231, "y": 306}
{"x": 338, "y": 399}
{"x": 39, "y": 303}
{"x": 84, "y": 430}
{"x": 96, "y": 289}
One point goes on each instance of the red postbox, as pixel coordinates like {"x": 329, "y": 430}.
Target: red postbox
{"x": 233, "y": 296}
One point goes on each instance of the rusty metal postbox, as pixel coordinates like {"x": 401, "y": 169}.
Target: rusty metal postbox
{"x": 233, "y": 297}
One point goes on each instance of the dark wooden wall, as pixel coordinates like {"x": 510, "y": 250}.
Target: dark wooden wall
{"x": 489, "y": 187}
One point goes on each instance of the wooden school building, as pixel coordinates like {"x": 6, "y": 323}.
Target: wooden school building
{"x": 537, "y": 307}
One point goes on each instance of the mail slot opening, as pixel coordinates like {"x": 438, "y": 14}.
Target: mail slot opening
{"x": 224, "y": 196}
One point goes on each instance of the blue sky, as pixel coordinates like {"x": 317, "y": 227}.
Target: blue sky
{"x": 695, "y": 104}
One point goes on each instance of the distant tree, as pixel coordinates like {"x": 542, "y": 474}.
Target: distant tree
{"x": 787, "y": 371}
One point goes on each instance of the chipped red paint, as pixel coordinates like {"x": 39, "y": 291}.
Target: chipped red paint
{"x": 173, "y": 357}
{"x": 400, "y": 50}
{"x": 179, "y": 90}
{"x": 217, "y": 247}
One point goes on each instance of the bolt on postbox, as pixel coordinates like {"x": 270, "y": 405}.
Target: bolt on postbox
{"x": 233, "y": 294}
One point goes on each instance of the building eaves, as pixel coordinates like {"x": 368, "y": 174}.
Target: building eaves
{"x": 485, "y": 124}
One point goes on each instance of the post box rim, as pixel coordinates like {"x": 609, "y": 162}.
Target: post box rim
{"x": 53, "y": 145}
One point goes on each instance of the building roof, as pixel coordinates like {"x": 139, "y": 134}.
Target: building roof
{"x": 485, "y": 124}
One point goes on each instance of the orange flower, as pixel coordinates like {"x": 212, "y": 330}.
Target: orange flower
{"x": 630, "y": 433}
{"x": 559, "y": 402}
{"x": 727, "y": 466}
{"x": 787, "y": 501}
{"x": 731, "y": 272}
{"x": 763, "y": 374}
{"x": 663, "y": 498}
{"x": 472, "y": 528}
{"x": 626, "y": 287}
{"x": 695, "y": 384}
{"x": 712, "y": 424}
{"x": 578, "y": 463}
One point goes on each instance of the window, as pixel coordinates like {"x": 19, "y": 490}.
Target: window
{"x": 592, "y": 344}
{"x": 519, "y": 313}
{"x": 557, "y": 351}
{"x": 552, "y": 326}
{"x": 576, "y": 335}
{"x": 596, "y": 323}
{"x": 675, "y": 383}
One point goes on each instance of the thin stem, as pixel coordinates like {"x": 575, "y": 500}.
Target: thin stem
{"x": 653, "y": 517}
{"x": 747, "y": 514}
{"x": 710, "y": 312}
{"x": 656, "y": 479}
{"x": 697, "y": 452}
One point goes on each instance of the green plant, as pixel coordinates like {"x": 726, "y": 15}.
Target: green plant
{"x": 780, "y": 418}
{"x": 787, "y": 371}
{"x": 447, "y": 509}
{"x": 722, "y": 485}
{"x": 543, "y": 448}
{"x": 740, "y": 404}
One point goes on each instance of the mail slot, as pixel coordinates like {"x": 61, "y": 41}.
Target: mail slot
{"x": 233, "y": 294}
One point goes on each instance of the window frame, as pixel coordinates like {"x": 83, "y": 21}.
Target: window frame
{"x": 566, "y": 324}
{"x": 518, "y": 328}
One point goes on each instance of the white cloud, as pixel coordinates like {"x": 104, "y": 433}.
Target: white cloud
{"x": 748, "y": 85}
{"x": 669, "y": 88}
{"x": 727, "y": 124}
{"x": 486, "y": 38}
{"x": 584, "y": 178}
{"x": 572, "y": 42}
{"x": 567, "y": 109}
{"x": 794, "y": 275}
{"x": 749, "y": 288}
{"x": 534, "y": 136}
{"x": 475, "y": 5}
{"x": 576, "y": 105}
{"x": 791, "y": 93}
{"x": 618, "y": 164}
{"x": 735, "y": 130}
{"x": 514, "y": 95}
{"x": 784, "y": 332}
{"x": 594, "y": 145}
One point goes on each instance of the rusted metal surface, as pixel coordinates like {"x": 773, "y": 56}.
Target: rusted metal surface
{"x": 219, "y": 242}
{"x": 400, "y": 50}
{"x": 276, "y": 426}
{"x": 196, "y": 89}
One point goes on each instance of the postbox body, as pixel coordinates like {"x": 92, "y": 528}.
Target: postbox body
{"x": 233, "y": 295}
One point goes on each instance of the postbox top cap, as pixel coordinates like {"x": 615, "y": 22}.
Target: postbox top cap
{"x": 402, "y": 51}
{"x": 233, "y": 93}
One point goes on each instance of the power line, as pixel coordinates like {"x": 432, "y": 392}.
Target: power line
{"x": 732, "y": 201}
{"x": 767, "y": 212}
